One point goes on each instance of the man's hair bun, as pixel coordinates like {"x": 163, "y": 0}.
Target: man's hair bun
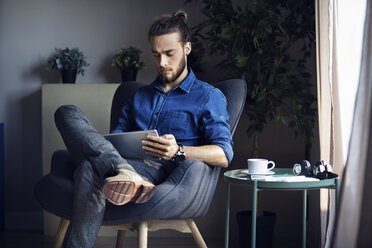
{"x": 181, "y": 14}
{"x": 174, "y": 22}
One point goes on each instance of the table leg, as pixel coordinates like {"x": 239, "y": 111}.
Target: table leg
{"x": 227, "y": 216}
{"x": 254, "y": 214}
{"x": 337, "y": 181}
{"x": 304, "y": 209}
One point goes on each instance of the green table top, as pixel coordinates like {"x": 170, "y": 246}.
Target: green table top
{"x": 237, "y": 177}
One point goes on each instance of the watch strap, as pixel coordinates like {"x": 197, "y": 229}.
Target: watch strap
{"x": 180, "y": 154}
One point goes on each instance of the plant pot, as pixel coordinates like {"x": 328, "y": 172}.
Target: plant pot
{"x": 68, "y": 76}
{"x": 264, "y": 229}
{"x": 128, "y": 75}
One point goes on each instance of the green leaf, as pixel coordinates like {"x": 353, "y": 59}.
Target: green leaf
{"x": 255, "y": 41}
{"x": 275, "y": 93}
{"x": 253, "y": 94}
{"x": 268, "y": 28}
{"x": 277, "y": 119}
{"x": 250, "y": 131}
{"x": 284, "y": 121}
{"x": 240, "y": 61}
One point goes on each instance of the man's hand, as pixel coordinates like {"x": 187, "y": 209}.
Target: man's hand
{"x": 164, "y": 146}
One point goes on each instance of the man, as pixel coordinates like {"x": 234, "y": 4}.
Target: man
{"x": 191, "y": 120}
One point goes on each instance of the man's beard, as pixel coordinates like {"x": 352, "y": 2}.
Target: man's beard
{"x": 181, "y": 68}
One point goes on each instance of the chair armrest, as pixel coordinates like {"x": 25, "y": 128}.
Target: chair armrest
{"x": 54, "y": 191}
{"x": 62, "y": 163}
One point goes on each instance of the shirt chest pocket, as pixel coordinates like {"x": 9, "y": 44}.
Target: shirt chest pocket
{"x": 174, "y": 122}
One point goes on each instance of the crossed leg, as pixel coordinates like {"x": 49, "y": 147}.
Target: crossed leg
{"x": 101, "y": 174}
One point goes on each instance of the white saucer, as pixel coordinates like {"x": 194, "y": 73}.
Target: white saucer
{"x": 261, "y": 173}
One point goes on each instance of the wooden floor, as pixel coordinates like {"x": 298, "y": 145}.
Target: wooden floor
{"x": 35, "y": 239}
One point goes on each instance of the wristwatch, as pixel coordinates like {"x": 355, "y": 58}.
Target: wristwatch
{"x": 180, "y": 154}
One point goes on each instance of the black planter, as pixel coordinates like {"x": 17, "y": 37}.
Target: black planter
{"x": 128, "y": 75}
{"x": 264, "y": 229}
{"x": 68, "y": 76}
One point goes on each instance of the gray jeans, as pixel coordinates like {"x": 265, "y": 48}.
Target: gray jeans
{"x": 95, "y": 158}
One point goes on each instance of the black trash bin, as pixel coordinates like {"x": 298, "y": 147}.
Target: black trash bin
{"x": 264, "y": 229}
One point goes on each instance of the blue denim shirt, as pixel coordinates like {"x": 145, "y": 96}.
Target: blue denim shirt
{"x": 194, "y": 112}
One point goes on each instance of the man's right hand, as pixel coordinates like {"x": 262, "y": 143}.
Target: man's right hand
{"x": 164, "y": 146}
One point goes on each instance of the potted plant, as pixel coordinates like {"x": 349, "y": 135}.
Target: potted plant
{"x": 69, "y": 61}
{"x": 128, "y": 60}
{"x": 255, "y": 42}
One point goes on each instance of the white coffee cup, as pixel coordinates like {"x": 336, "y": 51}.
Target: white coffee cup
{"x": 259, "y": 165}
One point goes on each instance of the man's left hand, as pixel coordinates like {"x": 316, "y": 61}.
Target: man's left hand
{"x": 164, "y": 146}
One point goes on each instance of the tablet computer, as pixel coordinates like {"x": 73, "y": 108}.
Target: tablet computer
{"x": 129, "y": 144}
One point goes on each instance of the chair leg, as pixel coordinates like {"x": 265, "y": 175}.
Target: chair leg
{"x": 120, "y": 239}
{"x": 196, "y": 234}
{"x": 61, "y": 232}
{"x": 142, "y": 234}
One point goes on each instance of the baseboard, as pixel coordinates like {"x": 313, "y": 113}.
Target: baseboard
{"x": 24, "y": 220}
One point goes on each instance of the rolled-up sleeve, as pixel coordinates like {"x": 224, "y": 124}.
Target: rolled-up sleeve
{"x": 215, "y": 126}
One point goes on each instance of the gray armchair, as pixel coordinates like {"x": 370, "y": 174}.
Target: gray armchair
{"x": 54, "y": 191}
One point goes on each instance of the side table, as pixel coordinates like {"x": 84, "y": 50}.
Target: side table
{"x": 236, "y": 177}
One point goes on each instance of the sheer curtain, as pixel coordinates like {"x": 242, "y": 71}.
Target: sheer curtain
{"x": 339, "y": 29}
{"x": 354, "y": 217}
{"x": 327, "y": 100}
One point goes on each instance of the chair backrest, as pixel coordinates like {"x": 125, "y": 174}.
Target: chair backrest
{"x": 235, "y": 91}
{"x": 122, "y": 94}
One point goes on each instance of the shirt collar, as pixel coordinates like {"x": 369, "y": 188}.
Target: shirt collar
{"x": 185, "y": 85}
